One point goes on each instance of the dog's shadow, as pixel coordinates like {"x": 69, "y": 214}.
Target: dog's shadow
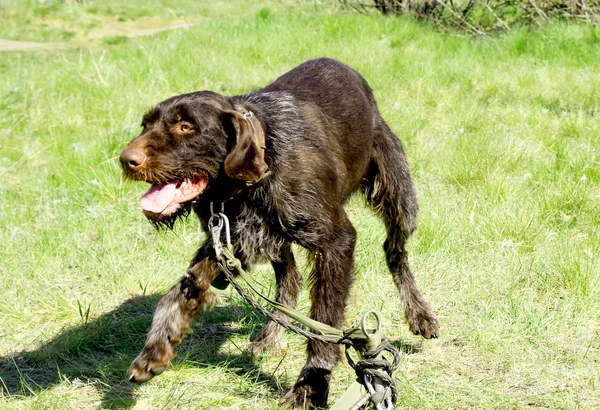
{"x": 99, "y": 352}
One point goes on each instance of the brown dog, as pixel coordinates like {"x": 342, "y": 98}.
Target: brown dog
{"x": 283, "y": 160}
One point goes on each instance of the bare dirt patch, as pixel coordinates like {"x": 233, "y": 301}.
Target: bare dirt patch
{"x": 142, "y": 27}
{"x": 112, "y": 29}
{"x": 10, "y": 45}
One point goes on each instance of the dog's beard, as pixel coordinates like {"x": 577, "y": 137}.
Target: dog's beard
{"x": 167, "y": 222}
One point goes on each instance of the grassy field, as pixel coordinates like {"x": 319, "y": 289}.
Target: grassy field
{"x": 503, "y": 136}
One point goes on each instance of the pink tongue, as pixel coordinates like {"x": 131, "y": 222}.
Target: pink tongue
{"x": 158, "y": 197}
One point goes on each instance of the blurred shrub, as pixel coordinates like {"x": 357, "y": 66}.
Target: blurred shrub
{"x": 482, "y": 16}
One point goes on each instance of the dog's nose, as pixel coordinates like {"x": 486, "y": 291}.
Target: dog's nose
{"x": 132, "y": 158}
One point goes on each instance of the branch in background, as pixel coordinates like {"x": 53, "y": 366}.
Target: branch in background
{"x": 462, "y": 20}
{"x": 538, "y": 11}
{"x": 502, "y": 23}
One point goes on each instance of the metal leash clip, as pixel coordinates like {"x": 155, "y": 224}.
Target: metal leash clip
{"x": 216, "y": 223}
{"x": 375, "y": 386}
{"x": 373, "y": 392}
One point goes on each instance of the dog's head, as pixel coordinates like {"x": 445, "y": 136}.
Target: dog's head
{"x": 187, "y": 144}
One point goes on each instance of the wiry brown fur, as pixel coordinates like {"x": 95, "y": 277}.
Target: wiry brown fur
{"x": 325, "y": 139}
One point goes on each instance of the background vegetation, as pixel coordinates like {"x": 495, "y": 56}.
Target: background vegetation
{"x": 482, "y": 16}
{"x": 503, "y": 136}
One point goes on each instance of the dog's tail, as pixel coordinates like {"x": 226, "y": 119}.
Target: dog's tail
{"x": 388, "y": 185}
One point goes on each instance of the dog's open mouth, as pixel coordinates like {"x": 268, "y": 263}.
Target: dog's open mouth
{"x": 165, "y": 199}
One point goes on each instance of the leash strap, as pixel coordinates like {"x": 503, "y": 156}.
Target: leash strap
{"x": 374, "y": 372}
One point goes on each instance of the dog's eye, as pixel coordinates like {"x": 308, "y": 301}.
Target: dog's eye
{"x": 185, "y": 128}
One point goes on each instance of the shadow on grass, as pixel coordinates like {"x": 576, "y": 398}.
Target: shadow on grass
{"x": 406, "y": 348}
{"x": 100, "y": 352}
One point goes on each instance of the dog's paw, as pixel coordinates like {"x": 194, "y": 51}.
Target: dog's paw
{"x": 310, "y": 391}
{"x": 270, "y": 340}
{"x": 259, "y": 347}
{"x": 256, "y": 349}
{"x": 152, "y": 361}
{"x": 424, "y": 323}
{"x": 297, "y": 398}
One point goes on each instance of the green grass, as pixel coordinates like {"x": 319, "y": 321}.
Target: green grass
{"x": 68, "y": 20}
{"x": 503, "y": 136}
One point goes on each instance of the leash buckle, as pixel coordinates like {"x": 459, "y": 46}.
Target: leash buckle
{"x": 216, "y": 223}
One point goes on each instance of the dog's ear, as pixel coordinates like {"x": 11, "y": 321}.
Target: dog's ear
{"x": 246, "y": 158}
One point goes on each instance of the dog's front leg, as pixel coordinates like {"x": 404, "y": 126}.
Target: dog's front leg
{"x": 330, "y": 281}
{"x": 173, "y": 316}
{"x": 289, "y": 286}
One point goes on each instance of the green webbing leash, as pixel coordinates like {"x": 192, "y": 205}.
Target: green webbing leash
{"x": 374, "y": 381}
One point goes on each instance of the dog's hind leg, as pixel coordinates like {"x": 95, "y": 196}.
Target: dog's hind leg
{"x": 174, "y": 313}
{"x": 289, "y": 286}
{"x": 388, "y": 187}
